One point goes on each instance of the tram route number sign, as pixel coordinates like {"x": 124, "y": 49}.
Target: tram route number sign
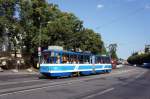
{"x": 39, "y": 51}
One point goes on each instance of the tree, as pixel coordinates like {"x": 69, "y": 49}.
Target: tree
{"x": 112, "y": 51}
{"x": 7, "y": 12}
{"x": 56, "y": 27}
{"x": 139, "y": 59}
{"x": 38, "y": 23}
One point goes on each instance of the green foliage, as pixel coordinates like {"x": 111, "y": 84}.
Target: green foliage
{"x": 39, "y": 20}
{"x": 139, "y": 59}
{"x": 7, "y": 8}
{"x": 114, "y": 55}
{"x": 112, "y": 51}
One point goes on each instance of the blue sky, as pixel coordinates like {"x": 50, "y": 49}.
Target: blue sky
{"x": 125, "y": 22}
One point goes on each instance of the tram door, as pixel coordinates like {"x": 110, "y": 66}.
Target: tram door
{"x": 92, "y": 59}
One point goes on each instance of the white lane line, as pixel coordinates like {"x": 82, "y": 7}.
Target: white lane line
{"x": 43, "y": 86}
{"x": 121, "y": 72}
{"x": 138, "y": 76}
{"x": 97, "y": 94}
{"x": 42, "y": 80}
{"x": 110, "y": 74}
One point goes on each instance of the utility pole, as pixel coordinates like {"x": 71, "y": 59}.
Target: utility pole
{"x": 40, "y": 43}
{"x": 39, "y": 48}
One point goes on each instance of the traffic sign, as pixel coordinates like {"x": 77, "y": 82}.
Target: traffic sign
{"x": 39, "y": 49}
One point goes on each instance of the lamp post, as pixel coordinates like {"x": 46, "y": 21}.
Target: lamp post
{"x": 39, "y": 48}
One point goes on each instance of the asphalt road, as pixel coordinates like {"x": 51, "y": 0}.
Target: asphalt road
{"x": 125, "y": 83}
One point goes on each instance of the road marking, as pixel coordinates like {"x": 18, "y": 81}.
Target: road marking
{"x": 54, "y": 84}
{"x": 138, "y": 76}
{"x": 100, "y": 93}
{"x": 119, "y": 72}
{"x": 38, "y": 88}
{"x": 124, "y": 71}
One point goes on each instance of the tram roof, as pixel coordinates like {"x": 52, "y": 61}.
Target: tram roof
{"x": 68, "y": 52}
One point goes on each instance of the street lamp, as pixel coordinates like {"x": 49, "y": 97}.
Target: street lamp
{"x": 39, "y": 48}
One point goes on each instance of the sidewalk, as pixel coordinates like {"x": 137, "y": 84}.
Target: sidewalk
{"x": 18, "y": 72}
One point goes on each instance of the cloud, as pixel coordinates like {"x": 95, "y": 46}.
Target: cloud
{"x": 147, "y": 6}
{"x": 100, "y": 6}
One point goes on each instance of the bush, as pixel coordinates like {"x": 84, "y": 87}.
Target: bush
{"x": 139, "y": 59}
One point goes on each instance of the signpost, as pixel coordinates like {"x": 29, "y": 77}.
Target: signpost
{"x": 39, "y": 51}
{"x": 39, "y": 55}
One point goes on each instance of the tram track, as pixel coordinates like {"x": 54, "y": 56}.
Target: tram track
{"x": 35, "y": 87}
{"x": 24, "y": 86}
{"x": 53, "y": 80}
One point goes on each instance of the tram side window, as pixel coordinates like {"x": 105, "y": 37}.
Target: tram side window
{"x": 87, "y": 59}
{"x": 106, "y": 60}
{"x": 98, "y": 60}
{"x": 75, "y": 59}
{"x": 45, "y": 58}
{"x": 84, "y": 59}
{"x": 58, "y": 59}
{"x": 103, "y": 60}
{"x": 65, "y": 58}
{"x": 69, "y": 59}
{"x": 81, "y": 60}
{"x": 52, "y": 58}
{"x": 49, "y": 57}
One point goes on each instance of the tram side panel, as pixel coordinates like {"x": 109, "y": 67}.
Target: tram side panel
{"x": 85, "y": 69}
{"x": 44, "y": 69}
{"x": 108, "y": 68}
{"x": 57, "y": 70}
{"x": 60, "y": 70}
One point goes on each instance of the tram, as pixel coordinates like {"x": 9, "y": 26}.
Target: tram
{"x": 62, "y": 63}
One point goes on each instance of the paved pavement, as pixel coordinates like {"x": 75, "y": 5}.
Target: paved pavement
{"x": 124, "y": 83}
{"x": 20, "y": 72}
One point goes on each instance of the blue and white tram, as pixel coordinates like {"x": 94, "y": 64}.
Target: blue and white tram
{"x": 66, "y": 63}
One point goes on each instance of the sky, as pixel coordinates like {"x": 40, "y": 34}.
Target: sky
{"x": 125, "y": 22}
